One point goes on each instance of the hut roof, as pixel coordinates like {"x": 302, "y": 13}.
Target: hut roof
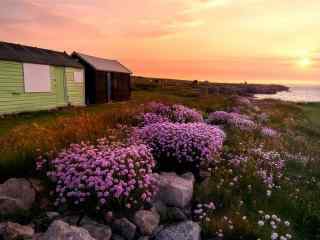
{"x": 21, "y": 53}
{"x": 102, "y": 64}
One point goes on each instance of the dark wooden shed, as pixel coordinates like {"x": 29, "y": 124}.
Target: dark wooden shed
{"x": 106, "y": 80}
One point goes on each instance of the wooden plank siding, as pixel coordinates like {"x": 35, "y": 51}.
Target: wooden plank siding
{"x": 14, "y": 99}
{"x": 75, "y": 90}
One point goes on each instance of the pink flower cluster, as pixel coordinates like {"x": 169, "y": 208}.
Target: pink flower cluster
{"x": 236, "y": 120}
{"x": 104, "y": 176}
{"x": 151, "y": 118}
{"x": 173, "y": 113}
{"x": 182, "y": 114}
{"x": 269, "y": 132}
{"x": 182, "y": 143}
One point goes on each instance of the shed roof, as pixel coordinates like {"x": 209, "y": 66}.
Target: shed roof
{"x": 102, "y": 64}
{"x": 21, "y": 53}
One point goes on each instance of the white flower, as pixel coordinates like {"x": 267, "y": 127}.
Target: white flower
{"x": 260, "y": 223}
{"x": 274, "y": 236}
{"x": 274, "y": 217}
{"x": 267, "y": 216}
{"x": 269, "y": 193}
{"x": 244, "y": 218}
{"x": 272, "y": 223}
{"x": 260, "y": 212}
{"x": 287, "y": 223}
{"x": 283, "y": 238}
{"x": 288, "y": 236}
{"x": 231, "y": 227}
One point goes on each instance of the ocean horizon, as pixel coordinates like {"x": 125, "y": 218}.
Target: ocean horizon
{"x": 296, "y": 93}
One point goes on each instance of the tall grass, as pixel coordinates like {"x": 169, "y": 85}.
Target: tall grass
{"x": 21, "y": 145}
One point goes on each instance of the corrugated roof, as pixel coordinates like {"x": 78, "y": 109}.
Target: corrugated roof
{"x": 103, "y": 64}
{"x": 21, "y": 53}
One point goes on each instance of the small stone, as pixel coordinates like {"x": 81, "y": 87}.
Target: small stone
{"x": 175, "y": 190}
{"x": 11, "y": 231}
{"x": 96, "y": 230}
{"x": 161, "y": 209}
{"x": 117, "y": 237}
{"x": 183, "y": 231}
{"x": 146, "y": 221}
{"x": 60, "y": 230}
{"x": 16, "y": 194}
{"x": 108, "y": 217}
{"x": 52, "y": 215}
{"x": 176, "y": 215}
{"x": 144, "y": 238}
{"x": 125, "y": 228}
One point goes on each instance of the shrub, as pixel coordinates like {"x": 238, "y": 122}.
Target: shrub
{"x": 269, "y": 132}
{"x": 182, "y": 146}
{"x": 182, "y": 114}
{"x": 102, "y": 176}
{"x": 234, "y": 120}
{"x": 151, "y": 118}
{"x": 175, "y": 113}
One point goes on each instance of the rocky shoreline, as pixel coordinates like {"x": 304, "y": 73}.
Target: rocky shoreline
{"x": 201, "y": 87}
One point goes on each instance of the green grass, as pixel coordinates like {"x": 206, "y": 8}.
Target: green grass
{"x": 312, "y": 111}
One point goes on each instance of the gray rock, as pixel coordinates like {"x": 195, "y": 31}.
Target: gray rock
{"x": 60, "y": 230}
{"x": 71, "y": 219}
{"x": 96, "y": 230}
{"x": 144, "y": 238}
{"x": 11, "y": 231}
{"x": 52, "y": 215}
{"x": 125, "y": 228}
{"x": 176, "y": 215}
{"x": 117, "y": 237}
{"x": 183, "y": 231}
{"x": 175, "y": 190}
{"x": 161, "y": 209}
{"x": 147, "y": 221}
{"x": 16, "y": 194}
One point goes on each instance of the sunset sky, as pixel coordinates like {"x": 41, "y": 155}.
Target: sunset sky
{"x": 218, "y": 40}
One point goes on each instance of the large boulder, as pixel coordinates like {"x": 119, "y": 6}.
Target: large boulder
{"x": 183, "y": 231}
{"x": 60, "y": 230}
{"x": 10, "y": 231}
{"x": 147, "y": 221}
{"x": 16, "y": 194}
{"x": 175, "y": 190}
{"x": 97, "y": 230}
{"x": 125, "y": 228}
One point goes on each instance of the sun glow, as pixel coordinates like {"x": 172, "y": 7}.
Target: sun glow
{"x": 305, "y": 62}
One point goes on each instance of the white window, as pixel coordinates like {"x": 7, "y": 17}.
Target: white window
{"x": 78, "y": 76}
{"x": 36, "y": 78}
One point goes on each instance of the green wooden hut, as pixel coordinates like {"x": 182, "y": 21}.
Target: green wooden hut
{"x": 33, "y": 79}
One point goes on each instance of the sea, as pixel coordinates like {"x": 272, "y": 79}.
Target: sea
{"x": 297, "y": 93}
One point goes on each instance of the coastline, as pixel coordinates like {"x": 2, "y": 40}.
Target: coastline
{"x": 205, "y": 87}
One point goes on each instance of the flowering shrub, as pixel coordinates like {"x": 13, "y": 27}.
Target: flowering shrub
{"x": 235, "y": 120}
{"x": 182, "y": 146}
{"x": 151, "y": 118}
{"x": 175, "y": 113}
{"x": 103, "y": 176}
{"x": 182, "y": 114}
{"x": 269, "y": 132}
{"x": 158, "y": 108}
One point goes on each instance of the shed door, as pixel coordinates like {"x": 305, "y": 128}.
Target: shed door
{"x": 60, "y": 85}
